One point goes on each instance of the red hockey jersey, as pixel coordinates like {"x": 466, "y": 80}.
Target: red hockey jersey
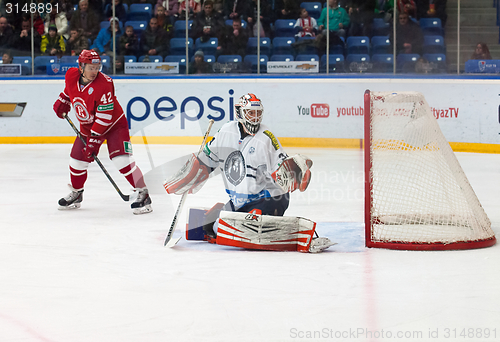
{"x": 95, "y": 104}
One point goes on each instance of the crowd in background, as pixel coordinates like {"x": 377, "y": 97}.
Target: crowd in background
{"x": 74, "y": 25}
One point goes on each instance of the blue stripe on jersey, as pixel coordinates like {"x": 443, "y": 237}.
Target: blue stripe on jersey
{"x": 240, "y": 200}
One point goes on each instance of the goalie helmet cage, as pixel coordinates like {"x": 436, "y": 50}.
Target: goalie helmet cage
{"x": 417, "y": 196}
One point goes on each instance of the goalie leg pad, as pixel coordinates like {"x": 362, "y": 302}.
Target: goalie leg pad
{"x": 264, "y": 232}
{"x": 190, "y": 178}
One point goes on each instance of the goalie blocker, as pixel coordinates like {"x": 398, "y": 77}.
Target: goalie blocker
{"x": 255, "y": 231}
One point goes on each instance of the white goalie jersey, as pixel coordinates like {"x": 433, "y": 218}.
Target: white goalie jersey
{"x": 247, "y": 164}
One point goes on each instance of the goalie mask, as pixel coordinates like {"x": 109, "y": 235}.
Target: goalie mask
{"x": 249, "y": 113}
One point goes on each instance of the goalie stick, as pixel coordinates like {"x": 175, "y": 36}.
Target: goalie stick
{"x": 168, "y": 242}
{"x": 126, "y": 198}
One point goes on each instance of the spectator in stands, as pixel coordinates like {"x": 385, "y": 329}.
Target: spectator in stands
{"x": 361, "y": 14}
{"x": 384, "y": 9}
{"x": 77, "y": 42}
{"x": 481, "y": 52}
{"x": 409, "y": 37}
{"x": 234, "y": 40}
{"x": 165, "y": 21}
{"x": 153, "y": 40}
{"x": 235, "y": 9}
{"x": 103, "y": 44}
{"x": 199, "y": 66}
{"x": 337, "y": 17}
{"x": 6, "y": 33}
{"x": 57, "y": 17}
{"x": 129, "y": 42}
{"x": 38, "y": 23}
{"x": 287, "y": 9}
{"x": 207, "y": 24}
{"x": 68, "y": 8}
{"x": 306, "y": 26}
{"x": 193, "y": 9}
{"x": 266, "y": 18}
{"x": 7, "y": 57}
{"x": 171, "y": 7}
{"x": 86, "y": 19}
{"x": 120, "y": 11}
{"x": 432, "y": 9}
{"x": 52, "y": 43}
{"x": 407, "y": 6}
{"x": 23, "y": 38}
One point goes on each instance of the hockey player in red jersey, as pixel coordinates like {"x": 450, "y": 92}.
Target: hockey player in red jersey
{"x": 258, "y": 176}
{"x": 101, "y": 117}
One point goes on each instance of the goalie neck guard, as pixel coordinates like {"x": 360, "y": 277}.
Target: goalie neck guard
{"x": 249, "y": 111}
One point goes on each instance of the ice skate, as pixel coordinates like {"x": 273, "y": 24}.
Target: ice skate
{"x": 319, "y": 244}
{"x": 72, "y": 201}
{"x": 142, "y": 204}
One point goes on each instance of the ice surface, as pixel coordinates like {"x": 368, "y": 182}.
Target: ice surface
{"x": 101, "y": 274}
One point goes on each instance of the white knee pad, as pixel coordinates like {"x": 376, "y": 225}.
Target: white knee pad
{"x": 78, "y": 165}
{"x": 124, "y": 161}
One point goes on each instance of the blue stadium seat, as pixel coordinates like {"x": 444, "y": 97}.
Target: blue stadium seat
{"x": 313, "y": 8}
{"x": 283, "y": 46}
{"x": 380, "y": 27}
{"x": 178, "y": 46}
{"x": 181, "y": 59}
{"x": 383, "y": 62}
{"x": 307, "y": 58}
{"x": 106, "y": 64}
{"x": 180, "y": 28}
{"x": 207, "y": 58}
{"x": 284, "y": 28}
{"x": 438, "y": 58}
{"x": 434, "y": 44}
{"x": 68, "y": 59}
{"x": 405, "y": 62}
{"x": 129, "y": 59}
{"x": 357, "y": 58}
{"x": 381, "y": 45}
{"x": 25, "y": 62}
{"x": 431, "y": 26}
{"x": 139, "y": 12}
{"x": 229, "y": 22}
{"x": 334, "y": 63}
{"x": 265, "y": 46}
{"x": 252, "y": 61}
{"x": 41, "y": 63}
{"x": 209, "y": 47}
{"x": 138, "y": 26}
{"x": 282, "y": 58}
{"x": 229, "y": 59}
{"x": 152, "y": 59}
{"x": 358, "y": 45}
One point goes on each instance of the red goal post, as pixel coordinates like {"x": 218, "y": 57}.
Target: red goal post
{"x": 417, "y": 196}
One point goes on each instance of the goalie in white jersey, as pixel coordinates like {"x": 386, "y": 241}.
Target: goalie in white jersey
{"x": 257, "y": 172}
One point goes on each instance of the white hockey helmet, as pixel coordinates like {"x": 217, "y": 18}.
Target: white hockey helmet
{"x": 249, "y": 111}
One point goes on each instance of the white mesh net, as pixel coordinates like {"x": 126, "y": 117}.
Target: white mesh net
{"x": 419, "y": 192}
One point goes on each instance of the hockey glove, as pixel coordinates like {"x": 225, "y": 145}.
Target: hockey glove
{"x": 62, "y": 105}
{"x": 294, "y": 173}
{"x": 190, "y": 178}
{"x": 93, "y": 145}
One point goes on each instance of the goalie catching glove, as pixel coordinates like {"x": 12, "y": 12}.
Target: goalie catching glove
{"x": 294, "y": 173}
{"x": 190, "y": 178}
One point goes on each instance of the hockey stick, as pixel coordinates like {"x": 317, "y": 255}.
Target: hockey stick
{"x": 124, "y": 197}
{"x": 168, "y": 242}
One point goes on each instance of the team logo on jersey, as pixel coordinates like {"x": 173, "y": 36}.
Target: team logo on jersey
{"x": 81, "y": 111}
{"x": 91, "y": 90}
{"x": 251, "y": 150}
{"x": 234, "y": 168}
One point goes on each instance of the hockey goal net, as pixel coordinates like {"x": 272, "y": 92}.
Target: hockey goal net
{"x": 416, "y": 193}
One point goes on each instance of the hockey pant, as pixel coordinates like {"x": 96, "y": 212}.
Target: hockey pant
{"x": 120, "y": 153}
